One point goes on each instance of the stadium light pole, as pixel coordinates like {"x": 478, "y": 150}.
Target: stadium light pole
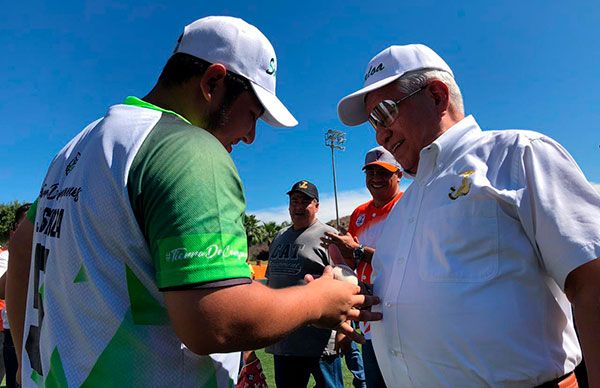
{"x": 335, "y": 140}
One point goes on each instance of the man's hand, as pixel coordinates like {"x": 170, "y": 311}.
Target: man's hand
{"x": 340, "y": 301}
{"x": 346, "y": 243}
{"x": 342, "y": 343}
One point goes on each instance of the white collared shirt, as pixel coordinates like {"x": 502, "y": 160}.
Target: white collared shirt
{"x": 472, "y": 261}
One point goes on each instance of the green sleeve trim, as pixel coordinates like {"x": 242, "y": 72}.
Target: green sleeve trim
{"x": 32, "y": 210}
{"x": 200, "y": 258}
{"x": 131, "y": 100}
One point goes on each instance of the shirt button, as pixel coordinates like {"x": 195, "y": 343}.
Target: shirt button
{"x": 400, "y": 259}
{"x": 411, "y": 220}
{"x": 374, "y": 215}
{"x": 394, "y": 353}
{"x": 388, "y": 304}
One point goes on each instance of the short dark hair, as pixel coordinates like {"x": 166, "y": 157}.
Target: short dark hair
{"x": 19, "y": 213}
{"x": 181, "y": 67}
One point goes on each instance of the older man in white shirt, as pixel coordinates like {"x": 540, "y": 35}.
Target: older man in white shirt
{"x": 498, "y": 232}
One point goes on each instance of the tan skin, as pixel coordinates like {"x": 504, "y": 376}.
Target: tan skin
{"x": 196, "y": 99}
{"x": 3, "y": 277}
{"x": 583, "y": 290}
{"x": 17, "y": 278}
{"x": 247, "y": 316}
{"x": 422, "y": 119}
{"x": 383, "y": 186}
{"x": 303, "y": 210}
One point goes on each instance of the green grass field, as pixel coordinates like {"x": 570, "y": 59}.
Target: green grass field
{"x": 267, "y": 362}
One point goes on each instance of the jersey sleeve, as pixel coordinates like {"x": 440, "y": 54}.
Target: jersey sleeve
{"x": 559, "y": 208}
{"x": 189, "y": 201}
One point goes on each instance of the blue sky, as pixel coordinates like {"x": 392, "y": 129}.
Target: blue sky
{"x": 532, "y": 65}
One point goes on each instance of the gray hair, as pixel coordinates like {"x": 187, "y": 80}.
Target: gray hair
{"x": 415, "y": 79}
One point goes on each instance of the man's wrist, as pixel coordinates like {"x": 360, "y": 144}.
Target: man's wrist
{"x": 358, "y": 254}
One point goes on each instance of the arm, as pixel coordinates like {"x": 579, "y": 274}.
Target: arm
{"x": 583, "y": 290}
{"x": 17, "y": 281}
{"x": 252, "y": 316}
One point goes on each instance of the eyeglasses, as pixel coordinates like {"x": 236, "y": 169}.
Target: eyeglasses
{"x": 386, "y": 112}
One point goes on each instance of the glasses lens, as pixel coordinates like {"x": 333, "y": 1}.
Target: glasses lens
{"x": 384, "y": 113}
{"x": 373, "y": 121}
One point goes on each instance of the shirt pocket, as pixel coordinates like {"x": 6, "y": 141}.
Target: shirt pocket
{"x": 460, "y": 242}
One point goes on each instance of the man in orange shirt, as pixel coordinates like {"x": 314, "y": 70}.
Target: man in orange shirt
{"x": 357, "y": 246}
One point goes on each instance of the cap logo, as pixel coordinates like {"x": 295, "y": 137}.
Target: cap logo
{"x": 303, "y": 185}
{"x": 372, "y": 70}
{"x": 271, "y": 70}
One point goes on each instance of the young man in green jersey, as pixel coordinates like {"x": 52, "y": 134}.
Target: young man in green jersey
{"x": 138, "y": 241}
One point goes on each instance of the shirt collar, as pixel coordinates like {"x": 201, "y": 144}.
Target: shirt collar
{"x": 435, "y": 156}
{"x": 451, "y": 139}
{"x": 131, "y": 100}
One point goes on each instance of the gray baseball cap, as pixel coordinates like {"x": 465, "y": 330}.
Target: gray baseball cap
{"x": 381, "y": 157}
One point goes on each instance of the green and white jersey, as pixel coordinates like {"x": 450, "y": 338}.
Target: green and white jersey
{"x": 139, "y": 202}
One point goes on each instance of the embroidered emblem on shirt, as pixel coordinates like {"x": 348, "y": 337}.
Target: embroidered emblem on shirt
{"x": 303, "y": 185}
{"x": 464, "y": 188}
{"x": 360, "y": 220}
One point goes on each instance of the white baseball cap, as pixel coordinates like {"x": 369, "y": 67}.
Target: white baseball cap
{"x": 244, "y": 50}
{"x": 386, "y": 67}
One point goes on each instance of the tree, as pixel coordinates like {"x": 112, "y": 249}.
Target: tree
{"x": 270, "y": 231}
{"x": 7, "y": 219}
{"x": 254, "y": 231}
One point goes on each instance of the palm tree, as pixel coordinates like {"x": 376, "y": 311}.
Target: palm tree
{"x": 270, "y": 231}
{"x": 254, "y": 231}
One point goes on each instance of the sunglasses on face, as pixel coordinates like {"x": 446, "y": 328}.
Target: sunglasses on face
{"x": 386, "y": 112}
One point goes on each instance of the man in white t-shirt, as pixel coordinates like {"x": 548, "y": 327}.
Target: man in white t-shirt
{"x": 498, "y": 232}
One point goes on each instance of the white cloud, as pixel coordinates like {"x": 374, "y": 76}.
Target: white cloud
{"x": 596, "y": 186}
{"x": 347, "y": 201}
